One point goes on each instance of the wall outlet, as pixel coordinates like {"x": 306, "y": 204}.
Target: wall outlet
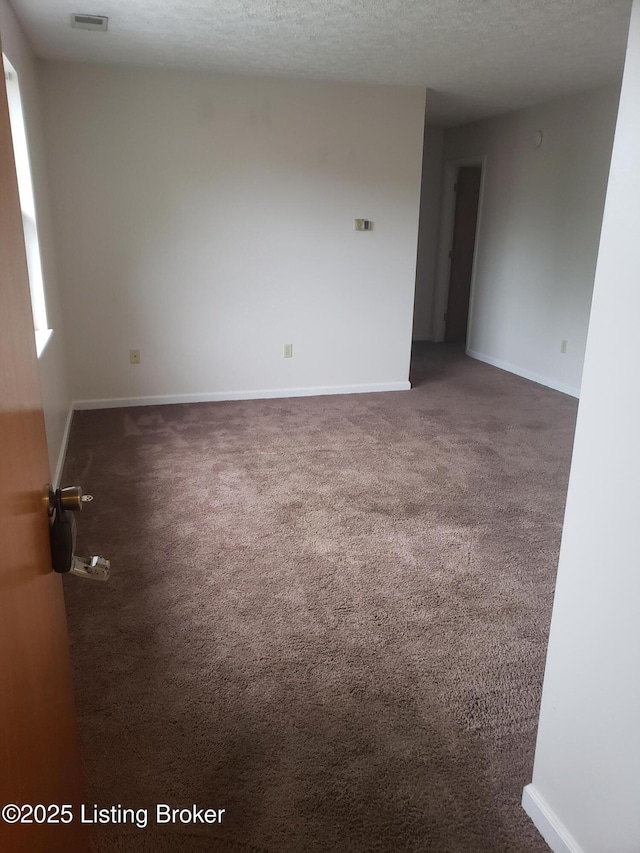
{"x": 134, "y": 356}
{"x": 288, "y": 350}
{"x": 363, "y": 224}
{"x": 563, "y": 347}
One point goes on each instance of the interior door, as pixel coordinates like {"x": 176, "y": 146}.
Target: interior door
{"x": 464, "y": 241}
{"x": 39, "y": 752}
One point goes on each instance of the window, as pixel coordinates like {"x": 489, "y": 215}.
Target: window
{"x": 27, "y": 204}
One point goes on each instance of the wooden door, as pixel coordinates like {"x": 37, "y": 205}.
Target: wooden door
{"x": 39, "y": 759}
{"x": 464, "y": 241}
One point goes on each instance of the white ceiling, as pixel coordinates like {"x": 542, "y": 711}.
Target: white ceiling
{"x": 482, "y": 57}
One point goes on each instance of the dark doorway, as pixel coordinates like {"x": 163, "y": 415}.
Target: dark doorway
{"x": 464, "y": 240}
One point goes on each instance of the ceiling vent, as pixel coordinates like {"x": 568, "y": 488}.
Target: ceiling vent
{"x": 89, "y": 22}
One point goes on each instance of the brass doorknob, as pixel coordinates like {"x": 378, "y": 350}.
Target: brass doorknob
{"x": 71, "y": 498}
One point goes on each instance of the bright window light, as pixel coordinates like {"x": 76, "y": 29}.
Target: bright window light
{"x": 27, "y": 203}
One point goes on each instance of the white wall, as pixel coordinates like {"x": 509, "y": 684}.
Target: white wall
{"x": 428, "y": 232}
{"x": 52, "y": 362}
{"x": 587, "y": 764}
{"x": 208, "y": 221}
{"x": 539, "y": 230}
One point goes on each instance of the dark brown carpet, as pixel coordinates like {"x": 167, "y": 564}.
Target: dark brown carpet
{"x": 327, "y": 616}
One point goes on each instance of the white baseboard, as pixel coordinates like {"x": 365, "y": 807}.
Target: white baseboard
{"x": 219, "y": 396}
{"x": 547, "y": 822}
{"x": 571, "y": 390}
{"x": 63, "y": 448}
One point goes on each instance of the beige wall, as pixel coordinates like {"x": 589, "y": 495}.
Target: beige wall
{"x": 52, "y": 362}
{"x": 585, "y": 780}
{"x": 541, "y": 213}
{"x": 208, "y": 221}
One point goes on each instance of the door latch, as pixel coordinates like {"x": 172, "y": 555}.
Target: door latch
{"x": 96, "y": 568}
{"x": 62, "y": 535}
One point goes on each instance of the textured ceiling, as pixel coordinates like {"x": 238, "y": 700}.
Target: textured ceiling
{"x": 481, "y": 57}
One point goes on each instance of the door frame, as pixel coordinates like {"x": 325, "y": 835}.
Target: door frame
{"x": 445, "y": 238}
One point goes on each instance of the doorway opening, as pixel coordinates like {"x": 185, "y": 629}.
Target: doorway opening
{"x": 459, "y": 233}
{"x": 461, "y": 254}
{"x": 452, "y": 282}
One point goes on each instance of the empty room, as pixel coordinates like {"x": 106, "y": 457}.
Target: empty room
{"x": 318, "y": 386}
